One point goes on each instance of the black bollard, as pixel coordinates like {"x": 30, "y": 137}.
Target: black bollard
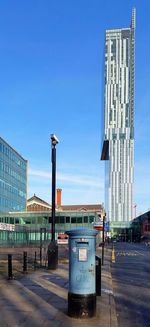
{"x": 102, "y": 253}
{"x": 25, "y": 262}
{"x": 52, "y": 255}
{"x": 35, "y": 262}
{"x": 10, "y": 275}
{"x": 98, "y": 276}
{"x": 40, "y": 255}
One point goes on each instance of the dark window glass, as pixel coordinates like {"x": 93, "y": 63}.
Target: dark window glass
{"x": 62, "y": 220}
{"x": 68, "y": 220}
{"x": 114, "y": 136}
{"x": 110, "y": 116}
{"x": 73, "y": 220}
{"x": 113, "y": 47}
{"x": 79, "y": 220}
{"x": 91, "y": 219}
{"x": 85, "y": 219}
{"x": 57, "y": 220}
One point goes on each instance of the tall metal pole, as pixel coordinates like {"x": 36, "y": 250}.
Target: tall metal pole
{"x": 134, "y": 206}
{"x": 135, "y": 210}
{"x": 103, "y": 242}
{"x": 53, "y": 189}
{"x": 53, "y": 247}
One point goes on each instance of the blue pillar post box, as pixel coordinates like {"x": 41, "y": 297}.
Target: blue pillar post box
{"x": 82, "y": 288}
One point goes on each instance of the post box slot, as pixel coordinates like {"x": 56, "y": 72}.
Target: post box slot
{"x": 82, "y": 243}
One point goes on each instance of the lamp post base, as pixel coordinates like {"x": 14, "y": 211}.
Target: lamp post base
{"x": 52, "y": 254}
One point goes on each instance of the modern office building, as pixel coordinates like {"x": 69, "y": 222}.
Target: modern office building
{"x": 13, "y": 179}
{"x": 118, "y": 140}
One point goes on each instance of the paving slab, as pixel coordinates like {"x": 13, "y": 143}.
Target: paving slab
{"x": 39, "y": 299}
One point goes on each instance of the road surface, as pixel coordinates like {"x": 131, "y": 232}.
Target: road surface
{"x": 131, "y": 283}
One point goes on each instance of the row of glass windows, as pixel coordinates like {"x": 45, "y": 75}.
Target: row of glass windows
{"x": 9, "y": 220}
{"x": 74, "y": 220}
{"x": 9, "y": 204}
{"x": 12, "y": 155}
{"x": 11, "y": 189}
{"x": 26, "y": 237}
{"x": 5, "y": 168}
{"x": 29, "y": 236}
{"x": 46, "y": 220}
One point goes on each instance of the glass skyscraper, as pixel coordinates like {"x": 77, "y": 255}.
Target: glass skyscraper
{"x": 13, "y": 179}
{"x": 118, "y": 141}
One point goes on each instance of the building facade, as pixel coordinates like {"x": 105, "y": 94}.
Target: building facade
{"x": 140, "y": 227}
{"x": 30, "y": 227}
{"x": 37, "y": 204}
{"x": 35, "y": 224}
{"x": 118, "y": 145}
{"x": 13, "y": 179}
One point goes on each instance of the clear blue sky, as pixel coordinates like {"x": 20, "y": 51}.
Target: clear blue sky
{"x": 51, "y": 74}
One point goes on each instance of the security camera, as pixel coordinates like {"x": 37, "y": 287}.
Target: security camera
{"x": 54, "y": 139}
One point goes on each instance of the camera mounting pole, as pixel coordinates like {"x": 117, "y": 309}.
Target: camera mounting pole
{"x": 53, "y": 247}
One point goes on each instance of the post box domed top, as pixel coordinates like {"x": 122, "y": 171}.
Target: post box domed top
{"x": 81, "y": 232}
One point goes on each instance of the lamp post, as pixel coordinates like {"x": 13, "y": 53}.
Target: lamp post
{"x": 135, "y": 205}
{"x": 103, "y": 238}
{"x": 53, "y": 247}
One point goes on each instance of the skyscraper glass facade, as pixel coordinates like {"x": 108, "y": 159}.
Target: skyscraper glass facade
{"x": 13, "y": 179}
{"x": 119, "y": 122}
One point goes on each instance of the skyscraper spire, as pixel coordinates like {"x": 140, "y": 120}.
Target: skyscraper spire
{"x": 133, "y": 20}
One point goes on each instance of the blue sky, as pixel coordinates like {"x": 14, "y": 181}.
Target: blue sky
{"x": 51, "y": 76}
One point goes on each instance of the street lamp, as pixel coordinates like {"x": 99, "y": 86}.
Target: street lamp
{"x": 103, "y": 238}
{"x": 53, "y": 247}
{"x": 134, "y": 206}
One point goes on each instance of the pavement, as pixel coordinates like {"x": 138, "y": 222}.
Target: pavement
{"x": 39, "y": 299}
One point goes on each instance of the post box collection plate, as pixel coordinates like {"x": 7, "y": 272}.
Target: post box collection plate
{"x": 82, "y": 254}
